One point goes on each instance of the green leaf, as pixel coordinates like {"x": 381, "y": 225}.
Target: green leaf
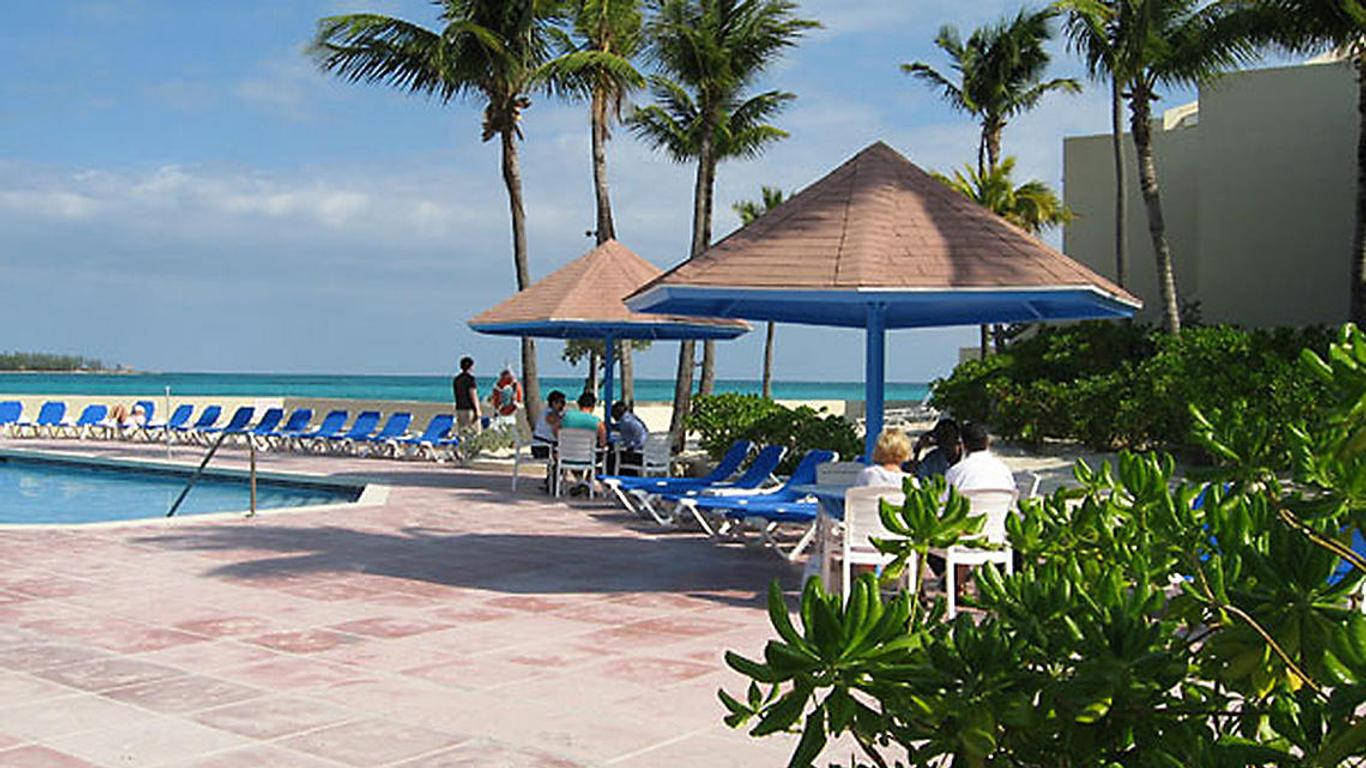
{"x": 1095, "y": 710}
{"x": 778, "y": 616}
{"x": 1343, "y": 744}
{"x": 977, "y": 743}
{"x": 751, "y": 669}
{"x": 784, "y": 712}
{"x": 812, "y": 741}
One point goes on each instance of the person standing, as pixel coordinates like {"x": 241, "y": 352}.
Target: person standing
{"x": 466, "y": 391}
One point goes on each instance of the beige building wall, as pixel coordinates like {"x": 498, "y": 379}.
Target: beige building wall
{"x": 1257, "y": 187}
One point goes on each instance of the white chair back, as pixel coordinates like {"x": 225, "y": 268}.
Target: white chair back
{"x": 995, "y": 504}
{"x": 838, "y": 472}
{"x": 1027, "y": 483}
{"x": 578, "y": 448}
{"x": 863, "y": 517}
{"x": 656, "y": 455}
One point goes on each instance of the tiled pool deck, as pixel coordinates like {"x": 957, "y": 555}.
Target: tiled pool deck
{"x": 456, "y": 624}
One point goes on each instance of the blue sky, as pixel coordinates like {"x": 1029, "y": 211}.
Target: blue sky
{"x": 181, "y": 189}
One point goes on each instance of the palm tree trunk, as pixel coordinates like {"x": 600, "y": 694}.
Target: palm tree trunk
{"x": 1358, "y": 309}
{"x": 701, "y": 232}
{"x": 605, "y": 229}
{"x": 767, "y": 387}
{"x": 993, "y": 142}
{"x": 628, "y": 373}
{"x": 707, "y": 384}
{"x": 1140, "y": 108}
{"x": 590, "y": 381}
{"x": 1121, "y": 203}
{"x": 512, "y": 177}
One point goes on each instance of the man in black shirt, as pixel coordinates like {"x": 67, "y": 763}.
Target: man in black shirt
{"x": 466, "y": 393}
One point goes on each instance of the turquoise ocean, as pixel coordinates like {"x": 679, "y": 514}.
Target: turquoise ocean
{"x": 370, "y": 387}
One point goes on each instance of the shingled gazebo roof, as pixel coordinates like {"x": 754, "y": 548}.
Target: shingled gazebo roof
{"x": 584, "y": 299}
{"x": 879, "y": 225}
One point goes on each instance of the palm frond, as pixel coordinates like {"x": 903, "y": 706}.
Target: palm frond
{"x": 372, "y": 48}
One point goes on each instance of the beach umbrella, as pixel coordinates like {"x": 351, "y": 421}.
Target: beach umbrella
{"x": 880, "y": 244}
{"x": 584, "y": 299}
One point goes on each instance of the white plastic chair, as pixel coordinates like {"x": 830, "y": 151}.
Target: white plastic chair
{"x": 996, "y": 505}
{"x": 862, "y": 522}
{"x": 654, "y": 457}
{"x": 577, "y": 452}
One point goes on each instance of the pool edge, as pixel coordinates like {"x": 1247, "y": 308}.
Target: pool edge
{"x": 371, "y": 494}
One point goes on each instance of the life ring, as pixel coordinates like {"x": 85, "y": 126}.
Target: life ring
{"x": 507, "y": 410}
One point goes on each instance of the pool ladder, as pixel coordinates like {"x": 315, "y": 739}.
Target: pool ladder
{"x": 251, "y": 447}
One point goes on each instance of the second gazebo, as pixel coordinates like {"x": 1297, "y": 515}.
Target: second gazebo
{"x": 584, "y": 299}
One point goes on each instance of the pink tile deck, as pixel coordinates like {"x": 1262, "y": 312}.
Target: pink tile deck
{"x": 456, "y": 624}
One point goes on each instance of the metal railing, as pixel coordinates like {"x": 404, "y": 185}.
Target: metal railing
{"x": 251, "y": 475}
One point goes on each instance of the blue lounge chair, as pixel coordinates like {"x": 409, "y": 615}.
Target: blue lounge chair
{"x": 332, "y": 424}
{"x": 178, "y": 418}
{"x": 664, "y": 507}
{"x": 436, "y": 436}
{"x": 10, "y": 413}
{"x": 782, "y": 505}
{"x": 92, "y": 417}
{"x": 395, "y": 428}
{"x": 296, "y": 425}
{"x": 365, "y": 424}
{"x": 207, "y": 418}
{"x": 50, "y": 419}
{"x": 622, "y": 486}
{"x": 237, "y": 425}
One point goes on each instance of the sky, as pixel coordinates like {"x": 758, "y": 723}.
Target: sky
{"x": 182, "y": 189}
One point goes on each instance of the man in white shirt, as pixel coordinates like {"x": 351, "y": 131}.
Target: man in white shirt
{"x": 979, "y": 469}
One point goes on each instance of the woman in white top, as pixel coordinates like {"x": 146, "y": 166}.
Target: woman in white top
{"x": 892, "y": 449}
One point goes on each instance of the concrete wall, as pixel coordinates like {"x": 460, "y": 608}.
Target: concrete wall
{"x": 1257, "y": 193}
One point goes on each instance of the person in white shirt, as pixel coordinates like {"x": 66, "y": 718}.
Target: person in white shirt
{"x": 892, "y": 449}
{"x": 979, "y": 469}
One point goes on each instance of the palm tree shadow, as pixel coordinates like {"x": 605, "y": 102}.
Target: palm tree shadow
{"x": 514, "y": 563}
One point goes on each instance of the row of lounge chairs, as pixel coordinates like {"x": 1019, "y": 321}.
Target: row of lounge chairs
{"x": 366, "y": 436}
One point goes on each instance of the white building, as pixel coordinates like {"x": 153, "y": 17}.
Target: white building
{"x": 1258, "y": 186}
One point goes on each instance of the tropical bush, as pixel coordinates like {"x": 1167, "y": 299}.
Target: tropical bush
{"x": 720, "y": 420}
{"x": 1123, "y": 385}
{"x": 1152, "y": 622}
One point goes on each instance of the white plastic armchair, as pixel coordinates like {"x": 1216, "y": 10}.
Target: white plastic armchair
{"x": 862, "y": 523}
{"x": 996, "y": 505}
{"x": 577, "y": 452}
{"x": 838, "y": 472}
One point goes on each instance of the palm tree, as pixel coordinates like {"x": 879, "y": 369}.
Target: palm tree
{"x": 607, "y": 35}
{"x": 1162, "y": 43}
{"x": 1095, "y": 41}
{"x": 748, "y": 211}
{"x": 494, "y": 50}
{"x": 1032, "y": 206}
{"x": 709, "y": 52}
{"x": 1000, "y": 74}
{"x": 1305, "y": 26}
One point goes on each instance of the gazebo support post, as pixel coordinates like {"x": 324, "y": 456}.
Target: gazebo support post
{"x": 608, "y": 359}
{"x": 874, "y": 376}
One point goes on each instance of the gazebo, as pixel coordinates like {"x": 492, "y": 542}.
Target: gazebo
{"x": 879, "y": 244}
{"x": 584, "y": 299}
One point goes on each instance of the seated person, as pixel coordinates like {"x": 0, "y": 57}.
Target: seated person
{"x": 893, "y": 448}
{"x": 629, "y": 439}
{"x": 980, "y": 469}
{"x": 583, "y": 418}
{"x": 547, "y": 425}
{"x": 121, "y": 417}
{"x": 947, "y": 450}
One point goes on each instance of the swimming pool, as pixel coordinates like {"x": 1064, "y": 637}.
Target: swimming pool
{"x": 37, "y": 489}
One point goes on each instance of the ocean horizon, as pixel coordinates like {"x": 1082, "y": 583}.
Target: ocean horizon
{"x": 422, "y": 388}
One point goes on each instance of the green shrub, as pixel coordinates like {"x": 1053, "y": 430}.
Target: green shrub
{"x": 1123, "y": 385}
{"x": 720, "y": 420}
{"x": 1141, "y": 629}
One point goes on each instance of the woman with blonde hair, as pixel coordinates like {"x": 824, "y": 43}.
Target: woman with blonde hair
{"x": 892, "y": 449}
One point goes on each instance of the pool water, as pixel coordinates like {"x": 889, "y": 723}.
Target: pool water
{"x": 42, "y": 490}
